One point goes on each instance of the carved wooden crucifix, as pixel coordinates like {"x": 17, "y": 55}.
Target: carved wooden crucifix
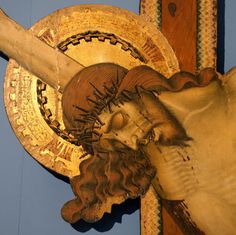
{"x": 122, "y": 125}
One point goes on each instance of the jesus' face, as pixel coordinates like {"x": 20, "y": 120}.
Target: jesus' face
{"x": 138, "y": 121}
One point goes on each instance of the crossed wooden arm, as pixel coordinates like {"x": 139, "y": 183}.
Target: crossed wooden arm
{"x": 50, "y": 65}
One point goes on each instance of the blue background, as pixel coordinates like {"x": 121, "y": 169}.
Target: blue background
{"x": 30, "y": 196}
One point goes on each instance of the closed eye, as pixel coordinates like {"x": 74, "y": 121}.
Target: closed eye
{"x": 117, "y": 122}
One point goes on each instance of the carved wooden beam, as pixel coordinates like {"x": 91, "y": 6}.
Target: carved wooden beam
{"x": 190, "y": 27}
{"x": 52, "y": 66}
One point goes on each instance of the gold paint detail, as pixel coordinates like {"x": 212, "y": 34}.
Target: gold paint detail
{"x": 101, "y": 36}
{"x": 152, "y": 11}
{"x": 26, "y": 98}
{"x": 206, "y": 34}
{"x": 151, "y": 218}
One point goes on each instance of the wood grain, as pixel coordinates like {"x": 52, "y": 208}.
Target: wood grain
{"x": 179, "y": 25}
{"x": 169, "y": 225}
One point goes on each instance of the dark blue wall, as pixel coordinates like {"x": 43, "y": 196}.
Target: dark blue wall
{"x": 31, "y": 197}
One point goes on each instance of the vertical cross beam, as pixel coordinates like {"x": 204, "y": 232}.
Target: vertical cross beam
{"x": 191, "y": 29}
{"x": 179, "y": 25}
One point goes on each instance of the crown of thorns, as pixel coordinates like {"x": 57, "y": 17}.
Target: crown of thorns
{"x": 86, "y": 134}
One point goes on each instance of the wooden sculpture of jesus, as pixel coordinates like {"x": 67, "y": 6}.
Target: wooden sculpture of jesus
{"x": 139, "y": 128}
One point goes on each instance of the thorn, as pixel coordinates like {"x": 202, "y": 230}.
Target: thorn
{"x": 84, "y": 121}
{"x": 110, "y": 91}
{"x": 95, "y": 113}
{"x": 97, "y": 95}
{"x": 93, "y": 101}
{"x": 100, "y": 121}
{"x": 99, "y": 92}
{"x": 84, "y": 115}
{"x": 109, "y": 94}
{"x": 97, "y": 109}
{"x": 155, "y": 92}
{"x": 89, "y": 117}
{"x": 117, "y": 78}
{"x": 87, "y": 129}
{"x": 137, "y": 89}
{"x": 126, "y": 94}
{"x": 121, "y": 102}
{"x": 96, "y": 133}
{"x": 79, "y": 120}
{"x": 113, "y": 101}
{"x": 78, "y": 107}
{"x": 130, "y": 93}
{"x": 109, "y": 107}
{"x": 103, "y": 102}
{"x": 114, "y": 84}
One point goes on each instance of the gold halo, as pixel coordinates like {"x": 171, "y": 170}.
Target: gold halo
{"x": 90, "y": 34}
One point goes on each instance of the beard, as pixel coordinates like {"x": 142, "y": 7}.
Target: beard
{"x": 107, "y": 178}
{"x": 176, "y": 180}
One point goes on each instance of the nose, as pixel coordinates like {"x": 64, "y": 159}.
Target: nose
{"x": 135, "y": 142}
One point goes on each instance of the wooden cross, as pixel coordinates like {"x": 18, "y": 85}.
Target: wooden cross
{"x": 186, "y": 23}
{"x": 191, "y": 29}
